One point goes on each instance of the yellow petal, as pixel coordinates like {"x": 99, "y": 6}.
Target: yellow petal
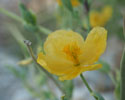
{"x": 55, "y": 57}
{"x": 107, "y": 12}
{"x": 73, "y": 2}
{"x": 100, "y": 18}
{"x": 91, "y": 67}
{"x": 96, "y": 19}
{"x": 94, "y": 46}
{"x": 54, "y": 67}
{"x": 71, "y": 75}
{"x": 42, "y": 62}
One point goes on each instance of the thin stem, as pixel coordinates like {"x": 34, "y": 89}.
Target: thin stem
{"x": 28, "y": 43}
{"x": 122, "y": 66}
{"x": 85, "y": 82}
{"x": 87, "y": 7}
{"x": 112, "y": 78}
{"x": 87, "y": 85}
{"x": 17, "y": 18}
{"x": 12, "y": 15}
{"x": 42, "y": 29}
{"x": 122, "y": 69}
{"x": 124, "y": 26}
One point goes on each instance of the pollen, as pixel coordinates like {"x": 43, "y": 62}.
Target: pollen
{"x": 72, "y": 52}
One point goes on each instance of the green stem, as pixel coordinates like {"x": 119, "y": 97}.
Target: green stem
{"x": 17, "y": 18}
{"x": 112, "y": 78}
{"x": 28, "y": 43}
{"x": 87, "y": 7}
{"x": 124, "y": 27}
{"x": 122, "y": 65}
{"x": 87, "y": 85}
{"x": 12, "y": 15}
{"x": 122, "y": 69}
{"x": 44, "y": 30}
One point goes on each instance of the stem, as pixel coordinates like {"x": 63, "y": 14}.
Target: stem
{"x": 28, "y": 43}
{"x": 112, "y": 78}
{"x": 87, "y": 85}
{"x": 44, "y": 30}
{"x": 122, "y": 69}
{"x": 17, "y": 18}
{"x": 124, "y": 27}
{"x": 122, "y": 66}
{"x": 87, "y": 7}
{"x": 12, "y": 15}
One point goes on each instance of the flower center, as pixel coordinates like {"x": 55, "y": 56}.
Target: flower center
{"x": 72, "y": 52}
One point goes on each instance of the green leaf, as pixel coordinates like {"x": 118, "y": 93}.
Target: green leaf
{"x": 30, "y": 27}
{"x": 97, "y": 96}
{"x": 68, "y": 5}
{"x": 27, "y": 15}
{"x": 81, "y": 1}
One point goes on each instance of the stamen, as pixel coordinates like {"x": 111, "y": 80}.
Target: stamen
{"x": 72, "y": 51}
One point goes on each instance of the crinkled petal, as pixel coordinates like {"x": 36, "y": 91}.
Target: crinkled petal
{"x": 94, "y": 46}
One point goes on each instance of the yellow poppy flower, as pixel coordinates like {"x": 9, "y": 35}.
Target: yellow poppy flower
{"x": 96, "y": 19}
{"x": 73, "y": 2}
{"x": 67, "y": 54}
{"x": 100, "y": 18}
{"x": 107, "y": 12}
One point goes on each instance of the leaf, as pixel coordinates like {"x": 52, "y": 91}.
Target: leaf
{"x": 30, "y": 27}
{"x": 81, "y": 1}
{"x": 27, "y": 15}
{"x": 68, "y": 5}
{"x": 97, "y": 96}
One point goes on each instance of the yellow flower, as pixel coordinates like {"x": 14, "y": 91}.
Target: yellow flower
{"x": 107, "y": 12}
{"x": 73, "y": 2}
{"x": 100, "y": 18}
{"x": 96, "y": 19}
{"x": 67, "y": 54}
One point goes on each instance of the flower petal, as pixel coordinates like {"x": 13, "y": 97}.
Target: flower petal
{"x": 55, "y": 57}
{"x": 58, "y": 69}
{"x": 72, "y": 74}
{"x": 91, "y": 67}
{"x": 42, "y": 62}
{"x": 94, "y": 46}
